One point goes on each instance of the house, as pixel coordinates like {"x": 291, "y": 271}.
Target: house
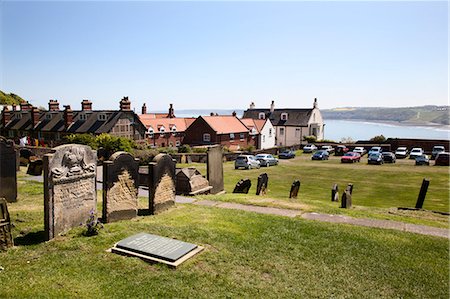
{"x": 227, "y": 130}
{"x": 50, "y": 126}
{"x": 262, "y": 131}
{"x": 291, "y": 124}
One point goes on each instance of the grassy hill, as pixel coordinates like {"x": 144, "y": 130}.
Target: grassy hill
{"x": 10, "y": 99}
{"x": 418, "y": 115}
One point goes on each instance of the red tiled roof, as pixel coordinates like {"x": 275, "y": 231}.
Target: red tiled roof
{"x": 225, "y": 124}
{"x": 251, "y": 123}
{"x": 168, "y": 123}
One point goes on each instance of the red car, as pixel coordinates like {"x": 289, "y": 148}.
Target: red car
{"x": 351, "y": 157}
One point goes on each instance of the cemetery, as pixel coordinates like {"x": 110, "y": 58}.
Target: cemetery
{"x": 210, "y": 245}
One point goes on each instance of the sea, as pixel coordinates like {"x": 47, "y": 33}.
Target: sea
{"x": 339, "y": 130}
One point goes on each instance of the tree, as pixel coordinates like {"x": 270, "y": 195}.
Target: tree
{"x": 378, "y": 139}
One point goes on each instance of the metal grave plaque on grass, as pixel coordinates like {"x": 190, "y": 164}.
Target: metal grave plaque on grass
{"x": 156, "y": 248}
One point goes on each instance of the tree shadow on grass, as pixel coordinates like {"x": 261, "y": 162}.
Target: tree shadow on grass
{"x": 32, "y": 238}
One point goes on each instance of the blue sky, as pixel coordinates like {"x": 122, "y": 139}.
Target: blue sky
{"x": 226, "y": 54}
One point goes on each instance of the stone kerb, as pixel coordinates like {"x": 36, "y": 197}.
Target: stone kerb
{"x": 161, "y": 184}
{"x": 120, "y": 187}
{"x": 69, "y": 187}
{"x": 8, "y": 168}
{"x": 214, "y": 168}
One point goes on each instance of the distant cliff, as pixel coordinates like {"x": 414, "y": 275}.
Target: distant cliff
{"x": 413, "y": 115}
{"x": 10, "y": 99}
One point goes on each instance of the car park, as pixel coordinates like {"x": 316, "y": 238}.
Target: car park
{"x": 320, "y": 155}
{"x": 389, "y": 157}
{"x": 286, "y": 155}
{"x": 442, "y": 159}
{"x": 351, "y": 157}
{"x": 266, "y": 160}
{"x": 360, "y": 150}
{"x": 327, "y": 148}
{"x": 422, "y": 160}
{"x": 401, "y": 152}
{"x": 309, "y": 148}
{"x": 415, "y": 152}
{"x": 341, "y": 150}
{"x": 247, "y": 162}
{"x": 436, "y": 150}
{"x": 375, "y": 158}
{"x": 375, "y": 150}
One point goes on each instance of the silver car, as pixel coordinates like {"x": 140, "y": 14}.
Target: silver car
{"x": 266, "y": 160}
{"x": 247, "y": 162}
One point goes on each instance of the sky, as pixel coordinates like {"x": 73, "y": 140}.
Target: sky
{"x": 224, "y": 55}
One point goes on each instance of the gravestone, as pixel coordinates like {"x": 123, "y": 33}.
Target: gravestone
{"x": 6, "y": 240}
{"x": 69, "y": 187}
{"x": 335, "y": 193}
{"x": 263, "y": 181}
{"x": 25, "y": 155}
{"x": 35, "y": 167}
{"x": 8, "y": 168}
{"x": 422, "y": 193}
{"x": 120, "y": 187}
{"x": 295, "y": 187}
{"x": 346, "y": 201}
{"x": 214, "y": 168}
{"x": 161, "y": 183}
{"x": 242, "y": 186}
{"x": 350, "y": 188}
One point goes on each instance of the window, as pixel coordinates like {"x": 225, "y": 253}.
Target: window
{"x": 102, "y": 116}
{"x": 262, "y": 115}
{"x": 83, "y": 116}
{"x": 270, "y": 132}
{"x": 48, "y": 116}
{"x": 264, "y": 138}
{"x": 281, "y": 131}
{"x": 174, "y": 128}
{"x": 297, "y": 132}
{"x": 10, "y": 134}
{"x": 150, "y": 132}
{"x": 231, "y": 136}
{"x": 206, "y": 137}
{"x": 162, "y": 130}
{"x": 241, "y": 136}
{"x": 284, "y": 116}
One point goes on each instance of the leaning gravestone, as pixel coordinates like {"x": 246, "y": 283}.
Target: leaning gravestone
{"x": 214, "y": 168}
{"x": 120, "y": 187}
{"x": 6, "y": 239}
{"x": 242, "y": 186}
{"x": 294, "y": 189}
{"x": 69, "y": 187}
{"x": 161, "y": 184}
{"x": 335, "y": 193}
{"x": 263, "y": 181}
{"x": 8, "y": 168}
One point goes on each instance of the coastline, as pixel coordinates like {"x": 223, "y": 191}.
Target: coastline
{"x": 429, "y": 125}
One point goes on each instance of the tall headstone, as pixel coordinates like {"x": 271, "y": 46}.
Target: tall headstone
{"x": 422, "y": 193}
{"x": 6, "y": 239}
{"x": 214, "y": 168}
{"x": 120, "y": 187}
{"x": 346, "y": 201}
{"x": 335, "y": 193}
{"x": 8, "y": 168}
{"x": 263, "y": 181}
{"x": 69, "y": 187}
{"x": 294, "y": 189}
{"x": 161, "y": 185}
{"x": 242, "y": 186}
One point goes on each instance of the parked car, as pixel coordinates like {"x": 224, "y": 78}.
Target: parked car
{"x": 327, "y": 148}
{"x": 341, "y": 150}
{"x": 320, "y": 155}
{"x": 422, "y": 160}
{"x": 389, "y": 157}
{"x": 442, "y": 159}
{"x": 246, "y": 161}
{"x": 351, "y": 157}
{"x": 309, "y": 148}
{"x": 375, "y": 150}
{"x": 401, "y": 152}
{"x": 415, "y": 152}
{"x": 266, "y": 160}
{"x": 375, "y": 158}
{"x": 436, "y": 150}
{"x": 286, "y": 155}
{"x": 360, "y": 150}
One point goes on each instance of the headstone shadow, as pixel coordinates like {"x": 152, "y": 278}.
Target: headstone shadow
{"x": 31, "y": 238}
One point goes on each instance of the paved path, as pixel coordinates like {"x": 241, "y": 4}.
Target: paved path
{"x": 249, "y": 208}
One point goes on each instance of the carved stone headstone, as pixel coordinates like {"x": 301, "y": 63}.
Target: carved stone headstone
{"x": 6, "y": 239}
{"x": 422, "y": 193}
{"x": 35, "y": 167}
{"x": 120, "y": 187}
{"x": 335, "y": 193}
{"x": 263, "y": 181}
{"x": 214, "y": 168}
{"x": 346, "y": 201}
{"x": 161, "y": 185}
{"x": 8, "y": 167}
{"x": 242, "y": 186}
{"x": 69, "y": 187}
{"x": 294, "y": 189}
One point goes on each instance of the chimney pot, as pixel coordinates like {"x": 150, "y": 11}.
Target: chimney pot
{"x": 171, "y": 111}
{"x": 34, "y": 115}
{"x": 68, "y": 116}
{"x": 53, "y": 105}
{"x": 144, "y": 109}
{"x": 125, "y": 104}
{"x": 86, "y": 105}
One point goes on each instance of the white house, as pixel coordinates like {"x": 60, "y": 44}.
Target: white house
{"x": 262, "y": 130}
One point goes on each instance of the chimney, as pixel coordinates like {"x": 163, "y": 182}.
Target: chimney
{"x": 144, "y": 109}
{"x": 53, "y": 105}
{"x": 315, "y": 104}
{"x": 68, "y": 116}
{"x": 86, "y": 105}
{"x": 211, "y": 114}
{"x": 252, "y": 105}
{"x": 14, "y": 108}
{"x": 272, "y": 106}
{"x": 125, "y": 104}
{"x": 234, "y": 113}
{"x": 6, "y": 115}
{"x": 25, "y": 106}
{"x": 34, "y": 115}
{"x": 171, "y": 114}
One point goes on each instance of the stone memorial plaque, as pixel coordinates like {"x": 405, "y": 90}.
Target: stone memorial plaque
{"x": 214, "y": 168}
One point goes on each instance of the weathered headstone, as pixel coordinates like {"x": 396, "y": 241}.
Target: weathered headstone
{"x": 242, "y": 186}
{"x": 214, "y": 168}
{"x": 191, "y": 182}
{"x": 69, "y": 187}
{"x": 294, "y": 189}
{"x": 161, "y": 184}
{"x": 422, "y": 193}
{"x": 350, "y": 188}
{"x": 335, "y": 193}
{"x": 120, "y": 187}
{"x": 35, "y": 167}
{"x": 263, "y": 181}
{"x": 8, "y": 168}
{"x": 346, "y": 201}
{"x": 6, "y": 239}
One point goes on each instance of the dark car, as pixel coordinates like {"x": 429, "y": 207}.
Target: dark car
{"x": 320, "y": 155}
{"x": 422, "y": 160}
{"x": 375, "y": 158}
{"x": 442, "y": 159}
{"x": 340, "y": 150}
{"x": 351, "y": 157}
{"x": 389, "y": 157}
{"x": 286, "y": 155}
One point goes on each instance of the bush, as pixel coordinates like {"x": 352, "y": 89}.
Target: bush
{"x": 248, "y": 149}
{"x": 378, "y": 139}
{"x": 310, "y": 139}
{"x": 145, "y": 156}
{"x": 104, "y": 141}
{"x": 199, "y": 150}
{"x": 185, "y": 148}
{"x": 86, "y": 139}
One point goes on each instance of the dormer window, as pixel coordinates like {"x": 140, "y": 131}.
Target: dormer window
{"x": 150, "y": 131}
{"x": 284, "y": 116}
{"x": 174, "y": 128}
{"x": 253, "y": 131}
{"x": 83, "y": 116}
{"x": 162, "y": 129}
{"x": 48, "y": 116}
{"x": 262, "y": 115}
{"x": 102, "y": 117}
